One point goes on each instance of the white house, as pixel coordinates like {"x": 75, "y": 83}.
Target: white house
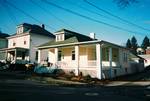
{"x": 71, "y": 51}
{"x": 22, "y": 45}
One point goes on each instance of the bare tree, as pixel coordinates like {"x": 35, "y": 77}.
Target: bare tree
{"x": 125, "y": 3}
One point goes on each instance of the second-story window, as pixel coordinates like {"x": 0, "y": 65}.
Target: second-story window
{"x": 25, "y": 42}
{"x": 14, "y": 44}
{"x": 60, "y": 37}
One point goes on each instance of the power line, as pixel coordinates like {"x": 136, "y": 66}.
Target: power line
{"x": 116, "y": 16}
{"x": 89, "y": 18}
{"x": 47, "y": 11}
{"x": 27, "y": 14}
{"x": 10, "y": 14}
{"x": 89, "y": 10}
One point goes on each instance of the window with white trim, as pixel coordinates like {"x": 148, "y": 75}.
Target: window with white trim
{"x": 60, "y": 37}
{"x": 73, "y": 54}
{"x": 59, "y": 55}
{"x": 125, "y": 57}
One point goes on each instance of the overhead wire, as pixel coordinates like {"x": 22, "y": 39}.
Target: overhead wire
{"x": 10, "y": 14}
{"x": 47, "y": 11}
{"x": 22, "y": 11}
{"x": 88, "y": 10}
{"x": 89, "y": 18}
{"x": 121, "y": 19}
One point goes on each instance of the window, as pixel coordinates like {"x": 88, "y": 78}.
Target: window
{"x": 23, "y": 55}
{"x": 14, "y": 44}
{"x": 115, "y": 54}
{"x": 60, "y": 37}
{"x": 25, "y": 42}
{"x": 59, "y": 55}
{"x": 19, "y": 30}
{"x": 125, "y": 58}
{"x": 36, "y": 55}
{"x": 73, "y": 55}
{"x": 105, "y": 54}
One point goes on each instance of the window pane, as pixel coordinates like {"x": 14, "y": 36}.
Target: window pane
{"x": 73, "y": 55}
{"x": 36, "y": 55}
{"x": 59, "y": 55}
{"x": 105, "y": 54}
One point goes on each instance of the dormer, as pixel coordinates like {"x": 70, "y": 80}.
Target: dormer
{"x": 60, "y": 35}
{"x": 65, "y": 34}
{"x": 22, "y": 28}
{"x": 19, "y": 29}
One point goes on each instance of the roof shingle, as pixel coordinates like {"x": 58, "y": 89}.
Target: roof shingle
{"x": 71, "y": 37}
{"x": 3, "y": 35}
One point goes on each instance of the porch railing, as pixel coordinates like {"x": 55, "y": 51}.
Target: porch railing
{"x": 88, "y": 64}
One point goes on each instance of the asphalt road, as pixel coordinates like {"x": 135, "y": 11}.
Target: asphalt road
{"x": 14, "y": 88}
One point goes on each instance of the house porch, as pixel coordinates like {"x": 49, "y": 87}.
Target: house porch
{"x": 17, "y": 55}
{"x": 98, "y": 60}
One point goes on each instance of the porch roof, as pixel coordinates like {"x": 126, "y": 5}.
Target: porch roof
{"x": 16, "y": 48}
{"x": 72, "y": 42}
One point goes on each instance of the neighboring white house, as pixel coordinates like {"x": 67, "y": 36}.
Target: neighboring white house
{"x": 22, "y": 45}
{"x": 71, "y": 51}
{"x": 3, "y": 44}
{"x": 140, "y": 51}
{"x": 145, "y": 54}
{"x": 147, "y": 59}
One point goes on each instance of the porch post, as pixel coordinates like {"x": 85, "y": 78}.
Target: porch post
{"x": 39, "y": 56}
{"x": 110, "y": 61}
{"x": 120, "y": 57}
{"x": 6, "y": 55}
{"x": 77, "y": 60}
{"x": 99, "y": 60}
{"x": 15, "y": 57}
{"x": 56, "y": 55}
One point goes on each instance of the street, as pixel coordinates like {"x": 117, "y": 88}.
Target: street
{"x": 19, "y": 89}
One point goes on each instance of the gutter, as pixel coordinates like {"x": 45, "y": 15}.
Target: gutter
{"x": 80, "y": 43}
{"x": 69, "y": 44}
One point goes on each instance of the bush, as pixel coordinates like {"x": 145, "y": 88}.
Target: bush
{"x": 87, "y": 78}
{"x": 58, "y": 72}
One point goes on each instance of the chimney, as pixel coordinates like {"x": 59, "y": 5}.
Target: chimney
{"x": 92, "y": 35}
{"x": 43, "y": 26}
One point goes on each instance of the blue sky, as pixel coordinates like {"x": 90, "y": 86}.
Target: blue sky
{"x": 137, "y": 13}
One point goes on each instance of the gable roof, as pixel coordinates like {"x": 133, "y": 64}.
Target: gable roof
{"x": 3, "y": 35}
{"x": 70, "y": 37}
{"x": 36, "y": 29}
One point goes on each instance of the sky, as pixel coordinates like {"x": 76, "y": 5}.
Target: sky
{"x": 80, "y": 19}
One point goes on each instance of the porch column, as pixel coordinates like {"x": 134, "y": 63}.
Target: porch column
{"x": 120, "y": 57}
{"x": 110, "y": 61}
{"x": 15, "y": 57}
{"x": 39, "y": 56}
{"x": 77, "y": 60}
{"x": 99, "y": 61}
{"x": 56, "y": 55}
{"x": 6, "y": 55}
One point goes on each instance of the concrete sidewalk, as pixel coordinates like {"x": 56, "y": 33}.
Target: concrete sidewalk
{"x": 128, "y": 83}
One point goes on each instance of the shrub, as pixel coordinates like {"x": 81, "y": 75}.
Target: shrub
{"x": 87, "y": 78}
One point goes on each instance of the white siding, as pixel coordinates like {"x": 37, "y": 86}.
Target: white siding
{"x": 36, "y": 40}
{"x": 19, "y": 41}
